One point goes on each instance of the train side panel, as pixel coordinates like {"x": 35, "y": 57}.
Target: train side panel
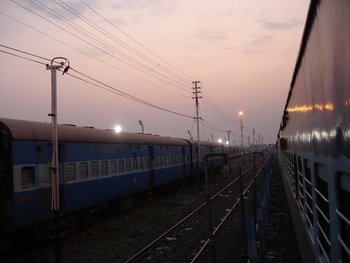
{"x": 314, "y": 141}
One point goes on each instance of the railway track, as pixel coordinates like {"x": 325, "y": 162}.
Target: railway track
{"x": 192, "y": 238}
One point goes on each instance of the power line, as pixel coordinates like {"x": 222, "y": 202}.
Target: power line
{"x": 99, "y": 84}
{"x": 189, "y": 78}
{"x": 100, "y": 44}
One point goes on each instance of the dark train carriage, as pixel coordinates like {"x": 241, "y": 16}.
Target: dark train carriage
{"x": 95, "y": 166}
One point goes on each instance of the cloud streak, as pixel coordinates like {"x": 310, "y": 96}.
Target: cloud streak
{"x": 271, "y": 25}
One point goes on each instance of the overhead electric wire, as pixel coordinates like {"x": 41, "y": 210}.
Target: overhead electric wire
{"x": 15, "y": 55}
{"x": 120, "y": 42}
{"x": 102, "y": 50}
{"x": 100, "y": 83}
{"x": 79, "y": 50}
{"x": 216, "y": 109}
{"x": 126, "y": 95}
{"x": 189, "y": 78}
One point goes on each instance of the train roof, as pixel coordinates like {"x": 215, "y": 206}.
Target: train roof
{"x": 31, "y": 130}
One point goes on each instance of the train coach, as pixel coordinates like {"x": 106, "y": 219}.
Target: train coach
{"x": 314, "y": 136}
{"x": 95, "y": 167}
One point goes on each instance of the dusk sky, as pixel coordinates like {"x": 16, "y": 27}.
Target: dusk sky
{"x": 136, "y": 60}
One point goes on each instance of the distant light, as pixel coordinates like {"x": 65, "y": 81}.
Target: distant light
{"x": 118, "y": 128}
{"x": 220, "y": 141}
{"x": 240, "y": 113}
{"x": 227, "y": 142}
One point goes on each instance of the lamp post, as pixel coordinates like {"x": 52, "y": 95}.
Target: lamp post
{"x": 141, "y": 126}
{"x": 212, "y": 138}
{"x": 241, "y": 123}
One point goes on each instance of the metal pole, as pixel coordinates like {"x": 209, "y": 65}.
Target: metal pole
{"x": 54, "y": 164}
{"x": 197, "y": 118}
{"x": 55, "y": 204}
{"x": 244, "y": 255}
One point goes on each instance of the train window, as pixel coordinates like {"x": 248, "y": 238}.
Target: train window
{"x": 27, "y": 177}
{"x": 141, "y": 163}
{"x": 83, "y": 170}
{"x": 70, "y": 171}
{"x": 300, "y": 184}
{"x": 104, "y": 168}
{"x": 146, "y": 162}
{"x": 160, "y": 163}
{"x": 94, "y": 168}
{"x": 344, "y": 216}
{"x": 155, "y": 162}
{"x": 128, "y": 165}
{"x": 120, "y": 166}
{"x": 308, "y": 195}
{"x": 322, "y": 209}
{"x": 164, "y": 161}
{"x": 134, "y": 164}
{"x": 194, "y": 158}
{"x": 113, "y": 166}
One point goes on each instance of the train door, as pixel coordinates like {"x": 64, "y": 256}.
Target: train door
{"x": 6, "y": 183}
{"x": 151, "y": 166}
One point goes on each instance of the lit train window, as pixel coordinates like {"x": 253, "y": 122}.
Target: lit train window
{"x": 104, "y": 168}
{"x": 344, "y": 216}
{"x": 120, "y": 166}
{"x": 113, "y": 166}
{"x": 70, "y": 171}
{"x": 128, "y": 165}
{"x": 83, "y": 170}
{"x": 27, "y": 177}
{"x": 94, "y": 168}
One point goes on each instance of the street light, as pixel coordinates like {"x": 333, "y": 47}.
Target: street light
{"x": 118, "y": 129}
{"x": 241, "y": 123}
{"x": 141, "y": 126}
{"x": 219, "y": 141}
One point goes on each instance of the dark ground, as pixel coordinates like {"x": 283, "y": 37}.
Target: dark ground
{"x": 282, "y": 243}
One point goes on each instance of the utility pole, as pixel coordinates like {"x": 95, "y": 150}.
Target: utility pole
{"x": 253, "y": 136}
{"x": 229, "y": 143}
{"x": 55, "y": 196}
{"x": 196, "y": 97}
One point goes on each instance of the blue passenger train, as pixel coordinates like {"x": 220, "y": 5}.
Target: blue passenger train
{"x": 95, "y": 167}
{"x": 314, "y": 136}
